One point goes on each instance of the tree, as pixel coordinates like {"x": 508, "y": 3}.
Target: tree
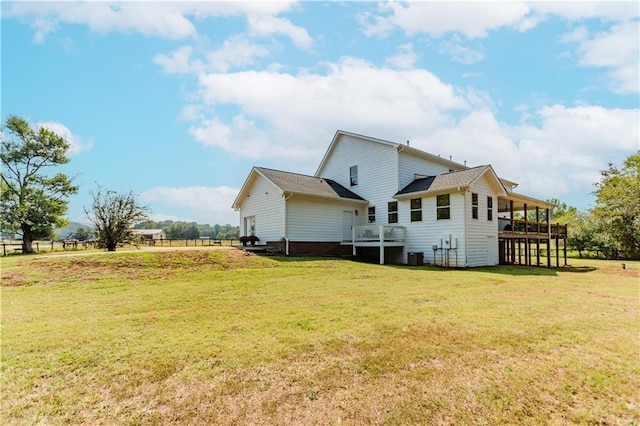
{"x": 191, "y": 231}
{"x": 113, "y": 216}
{"x": 32, "y": 202}
{"x": 82, "y": 234}
{"x": 618, "y": 207}
{"x": 583, "y": 233}
{"x": 561, "y": 212}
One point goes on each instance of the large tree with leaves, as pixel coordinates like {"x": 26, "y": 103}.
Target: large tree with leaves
{"x": 618, "y": 205}
{"x": 32, "y": 201}
{"x": 113, "y": 216}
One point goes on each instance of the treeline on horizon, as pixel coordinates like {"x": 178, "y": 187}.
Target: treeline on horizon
{"x": 176, "y": 230}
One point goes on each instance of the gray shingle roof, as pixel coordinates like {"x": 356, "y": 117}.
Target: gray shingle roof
{"x": 303, "y": 184}
{"x": 444, "y": 181}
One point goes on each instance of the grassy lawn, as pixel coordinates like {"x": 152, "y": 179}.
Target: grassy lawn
{"x": 219, "y": 337}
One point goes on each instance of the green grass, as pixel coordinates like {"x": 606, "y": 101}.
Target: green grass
{"x": 218, "y": 337}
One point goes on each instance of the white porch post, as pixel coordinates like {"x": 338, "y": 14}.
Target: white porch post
{"x": 353, "y": 239}
{"x": 381, "y": 236}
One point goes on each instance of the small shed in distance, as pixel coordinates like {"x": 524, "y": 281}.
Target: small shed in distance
{"x": 151, "y": 234}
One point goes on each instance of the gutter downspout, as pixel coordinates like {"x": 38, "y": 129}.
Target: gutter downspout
{"x": 405, "y": 254}
{"x": 464, "y": 229}
{"x": 286, "y": 239}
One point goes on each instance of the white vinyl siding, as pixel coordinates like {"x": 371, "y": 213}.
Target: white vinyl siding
{"x": 318, "y": 220}
{"x": 410, "y": 166}
{"x": 266, "y": 204}
{"x": 421, "y": 236}
{"x": 377, "y": 169}
{"x": 482, "y": 235}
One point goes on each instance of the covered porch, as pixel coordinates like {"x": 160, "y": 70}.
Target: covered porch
{"x": 526, "y": 235}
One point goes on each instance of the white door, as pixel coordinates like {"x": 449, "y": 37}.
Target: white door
{"x": 250, "y": 225}
{"x": 347, "y": 225}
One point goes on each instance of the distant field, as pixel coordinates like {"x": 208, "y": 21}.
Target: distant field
{"x": 12, "y": 247}
{"x": 214, "y": 336}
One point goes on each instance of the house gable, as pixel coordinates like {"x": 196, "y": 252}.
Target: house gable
{"x": 245, "y": 191}
{"x": 366, "y": 166}
{"x": 294, "y": 183}
{"x": 336, "y": 140}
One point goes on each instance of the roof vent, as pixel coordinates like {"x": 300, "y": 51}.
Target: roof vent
{"x": 407, "y": 143}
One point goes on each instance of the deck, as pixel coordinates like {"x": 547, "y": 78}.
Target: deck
{"x": 517, "y": 228}
{"x": 519, "y": 238}
{"x": 380, "y": 236}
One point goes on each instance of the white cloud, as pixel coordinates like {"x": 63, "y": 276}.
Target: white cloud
{"x": 612, "y": 11}
{"x": 76, "y": 143}
{"x": 42, "y": 28}
{"x": 179, "y": 62}
{"x": 477, "y": 19}
{"x": 203, "y": 204}
{"x": 561, "y": 153}
{"x": 376, "y": 25}
{"x": 405, "y": 58}
{"x": 578, "y": 35}
{"x": 617, "y": 50}
{"x": 191, "y": 113}
{"x": 235, "y": 52}
{"x": 459, "y": 52}
{"x": 266, "y": 25}
{"x": 569, "y": 146}
{"x": 303, "y": 111}
{"x": 241, "y": 134}
{"x": 163, "y": 19}
{"x": 556, "y": 151}
{"x": 167, "y": 19}
{"x": 472, "y": 19}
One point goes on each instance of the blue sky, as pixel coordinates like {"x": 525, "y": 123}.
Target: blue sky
{"x": 176, "y": 101}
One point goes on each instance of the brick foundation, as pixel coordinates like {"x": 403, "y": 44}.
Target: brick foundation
{"x": 311, "y": 248}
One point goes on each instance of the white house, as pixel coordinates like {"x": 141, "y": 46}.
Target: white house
{"x": 150, "y": 234}
{"x": 394, "y": 203}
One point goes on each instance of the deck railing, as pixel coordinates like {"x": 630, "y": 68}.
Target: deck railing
{"x": 519, "y": 226}
{"x": 384, "y": 233}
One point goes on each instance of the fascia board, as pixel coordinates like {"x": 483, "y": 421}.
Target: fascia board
{"x": 324, "y": 197}
{"x": 431, "y": 193}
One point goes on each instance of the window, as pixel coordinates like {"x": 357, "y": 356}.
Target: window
{"x": 416, "y": 209}
{"x": 372, "y": 214}
{"x": 353, "y": 175}
{"x": 442, "y": 207}
{"x": 392, "y": 208}
{"x": 474, "y": 205}
{"x": 489, "y": 208}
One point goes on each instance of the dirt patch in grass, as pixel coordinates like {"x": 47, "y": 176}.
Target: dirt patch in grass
{"x": 578, "y": 268}
{"x": 52, "y": 270}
